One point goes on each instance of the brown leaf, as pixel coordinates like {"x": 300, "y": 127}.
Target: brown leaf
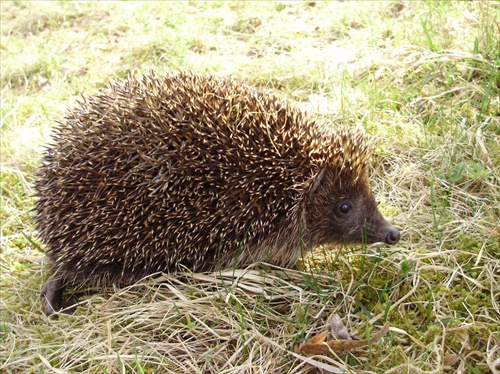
{"x": 450, "y": 359}
{"x": 317, "y": 345}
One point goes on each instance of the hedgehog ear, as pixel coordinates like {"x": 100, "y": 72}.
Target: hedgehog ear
{"x": 317, "y": 181}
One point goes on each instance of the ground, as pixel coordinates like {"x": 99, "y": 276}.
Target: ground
{"x": 421, "y": 77}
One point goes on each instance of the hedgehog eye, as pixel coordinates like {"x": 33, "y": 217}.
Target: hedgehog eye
{"x": 345, "y": 207}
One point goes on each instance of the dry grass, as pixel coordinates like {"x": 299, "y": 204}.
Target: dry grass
{"x": 423, "y": 77}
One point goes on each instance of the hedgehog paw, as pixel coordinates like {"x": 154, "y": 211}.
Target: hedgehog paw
{"x": 52, "y": 298}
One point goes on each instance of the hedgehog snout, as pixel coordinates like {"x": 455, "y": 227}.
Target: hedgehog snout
{"x": 392, "y": 236}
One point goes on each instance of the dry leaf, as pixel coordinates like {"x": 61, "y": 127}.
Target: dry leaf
{"x": 450, "y": 360}
{"x": 318, "y": 346}
{"x": 337, "y": 328}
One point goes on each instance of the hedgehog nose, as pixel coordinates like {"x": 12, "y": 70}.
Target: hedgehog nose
{"x": 392, "y": 236}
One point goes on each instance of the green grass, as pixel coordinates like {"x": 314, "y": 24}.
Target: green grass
{"x": 422, "y": 77}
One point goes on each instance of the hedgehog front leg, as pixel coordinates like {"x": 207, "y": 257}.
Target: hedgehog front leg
{"x": 52, "y": 297}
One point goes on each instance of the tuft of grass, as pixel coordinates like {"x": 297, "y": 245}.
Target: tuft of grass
{"x": 422, "y": 77}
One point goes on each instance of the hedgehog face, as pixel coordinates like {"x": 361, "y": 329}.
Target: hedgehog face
{"x": 341, "y": 210}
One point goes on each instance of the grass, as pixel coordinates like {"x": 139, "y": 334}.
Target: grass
{"x": 423, "y": 77}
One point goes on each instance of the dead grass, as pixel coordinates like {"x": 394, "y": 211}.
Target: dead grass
{"x": 420, "y": 76}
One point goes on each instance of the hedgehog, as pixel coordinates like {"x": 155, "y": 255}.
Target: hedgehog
{"x": 199, "y": 172}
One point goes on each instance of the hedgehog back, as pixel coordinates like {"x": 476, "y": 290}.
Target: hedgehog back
{"x": 156, "y": 173}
